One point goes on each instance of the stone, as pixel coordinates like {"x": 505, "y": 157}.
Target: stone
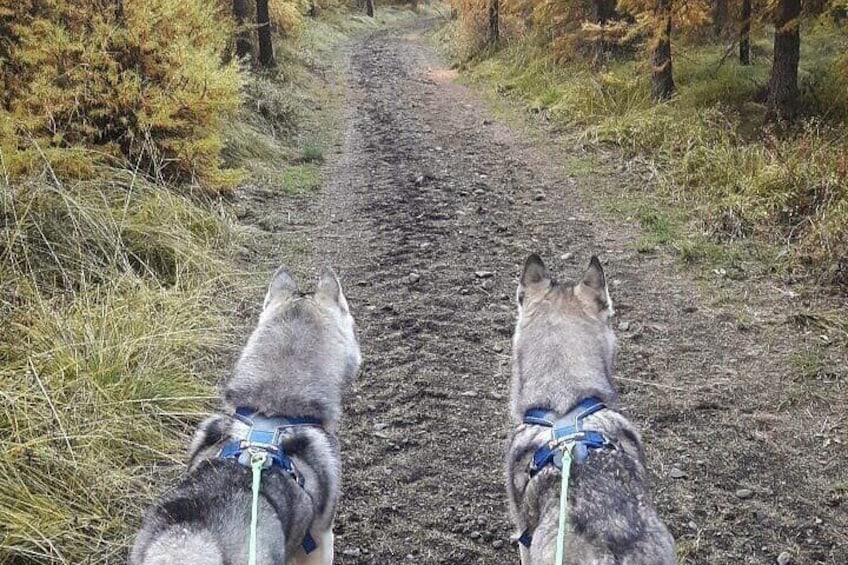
{"x": 744, "y": 493}
{"x": 352, "y": 552}
{"x": 413, "y": 278}
{"x": 677, "y": 473}
{"x": 498, "y": 544}
{"x": 785, "y": 558}
{"x": 624, "y": 325}
{"x": 483, "y": 274}
{"x": 539, "y": 196}
{"x": 487, "y": 284}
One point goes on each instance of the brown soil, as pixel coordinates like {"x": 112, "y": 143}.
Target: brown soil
{"x": 430, "y": 188}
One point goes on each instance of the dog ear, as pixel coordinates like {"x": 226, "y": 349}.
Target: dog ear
{"x": 282, "y": 286}
{"x": 329, "y": 288}
{"x": 592, "y": 288}
{"x": 209, "y": 432}
{"x": 534, "y": 277}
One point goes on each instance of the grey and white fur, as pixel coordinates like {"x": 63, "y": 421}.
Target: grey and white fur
{"x": 300, "y": 359}
{"x": 563, "y": 352}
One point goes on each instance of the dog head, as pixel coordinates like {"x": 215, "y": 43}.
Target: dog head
{"x": 563, "y": 346}
{"x": 302, "y": 355}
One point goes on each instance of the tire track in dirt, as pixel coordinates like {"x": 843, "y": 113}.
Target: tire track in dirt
{"x": 430, "y": 189}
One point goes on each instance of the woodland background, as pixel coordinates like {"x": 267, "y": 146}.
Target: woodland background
{"x": 126, "y": 125}
{"x": 737, "y": 106}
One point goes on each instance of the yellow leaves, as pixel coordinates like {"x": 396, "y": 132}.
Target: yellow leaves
{"x": 286, "y": 15}
{"x": 148, "y": 81}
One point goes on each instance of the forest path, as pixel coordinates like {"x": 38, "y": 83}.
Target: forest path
{"x": 430, "y": 209}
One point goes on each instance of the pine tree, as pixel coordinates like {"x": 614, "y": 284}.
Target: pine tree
{"x": 241, "y": 11}
{"x": 493, "y": 36}
{"x": 266, "y": 45}
{"x": 745, "y": 34}
{"x": 662, "y": 80}
{"x": 783, "y": 84}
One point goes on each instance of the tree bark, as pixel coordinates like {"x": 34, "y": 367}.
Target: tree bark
{"x": 783, "y": 84}
{"x": 745, "y": 34}
{"x": 602, "y": 12}
{"x": 266, "y": 45}
{"x": 241, "y": 11}
{"x": 662, "y": 80}
{"x": 369, "y": 8}
{"x": 493, "y": 36}
{"x": 719, "y": 17}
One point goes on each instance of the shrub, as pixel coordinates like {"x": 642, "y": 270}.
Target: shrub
{"x": 139, "y": 80}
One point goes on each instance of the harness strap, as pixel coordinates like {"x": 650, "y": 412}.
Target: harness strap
{"x": 569, "y": 442}
{"x": 261, "y": 449}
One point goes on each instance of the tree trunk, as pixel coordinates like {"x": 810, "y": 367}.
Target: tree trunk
{"x": 602, "y": 12}
{"x": 745, "y": 34}
{"x": 493, "y": 35}
{"x": 662, "y": 81}
{"x": 266, "y": 45}
{"x": 719, "y": 17}
{"x": 783, "y": 84}
{"x": 241, "y": 11}
{"x": 369, "y": 8}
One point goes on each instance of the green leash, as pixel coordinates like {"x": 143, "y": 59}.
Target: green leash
{"x": 563, "y": 502}
{"x": 257, "y": 462}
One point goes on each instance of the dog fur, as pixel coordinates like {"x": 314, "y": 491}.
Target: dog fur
{"x": 298, "y": 362}
{"x": 563, "y": 352}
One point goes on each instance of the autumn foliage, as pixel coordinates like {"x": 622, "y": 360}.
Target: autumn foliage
{"x": 140, "y": 81}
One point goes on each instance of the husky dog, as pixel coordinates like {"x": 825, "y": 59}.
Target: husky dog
{"x": 287, "y": 389}
{"x": 563, "y": 357}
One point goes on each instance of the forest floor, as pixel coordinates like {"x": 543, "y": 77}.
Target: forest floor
{"x": 430, "y": 203}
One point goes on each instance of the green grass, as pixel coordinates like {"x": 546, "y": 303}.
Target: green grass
{"x": 312, "y": 152}
{"x": 111, "y": 300}
{"x": 300, "y": 179}
{"x": 719, "y": 172}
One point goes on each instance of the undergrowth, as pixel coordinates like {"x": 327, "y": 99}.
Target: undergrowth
{"x": 709, "y": 148}
{"x": 111, "y": 311}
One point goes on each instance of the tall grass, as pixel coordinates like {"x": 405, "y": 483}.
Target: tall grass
{"x": 110, "y": 296}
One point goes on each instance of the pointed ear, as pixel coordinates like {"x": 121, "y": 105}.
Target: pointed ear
{"x": 534, "y": 272}
{"x": 209, "y": 432}
{"x": 282, "y": 286}
{"x": 329, "y": 288}
{"x": 535, "y": 278}
{"x": 592, "y": 289}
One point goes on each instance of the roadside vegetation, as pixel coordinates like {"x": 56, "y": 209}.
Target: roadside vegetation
{"x": 125, "y": 128}
{"x": 733, "y": 152}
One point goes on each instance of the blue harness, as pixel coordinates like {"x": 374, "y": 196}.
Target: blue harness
{"x": 568, "y": 428}
{"x": 266, "y": 434}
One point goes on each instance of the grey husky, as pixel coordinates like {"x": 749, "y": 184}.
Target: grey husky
{"x": 563, "y": 357}
{"x": 284, "y": 398}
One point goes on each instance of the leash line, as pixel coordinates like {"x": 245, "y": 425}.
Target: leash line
{"x": 563, "y": 503}
{"x": 257, "y": 462}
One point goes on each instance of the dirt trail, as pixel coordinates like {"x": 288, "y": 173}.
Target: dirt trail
{"x": 430, "y": 210}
